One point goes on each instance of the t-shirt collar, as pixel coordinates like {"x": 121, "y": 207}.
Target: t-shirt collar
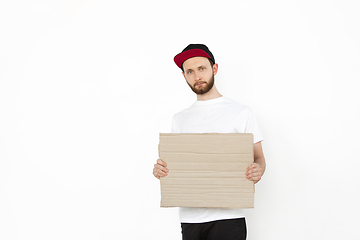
{"x": 211, "y": 101}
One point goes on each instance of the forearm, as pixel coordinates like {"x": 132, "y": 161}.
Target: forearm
{"x": 261, "y": 161}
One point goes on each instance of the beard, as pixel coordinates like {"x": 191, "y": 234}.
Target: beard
{"x": 204, "y": 88}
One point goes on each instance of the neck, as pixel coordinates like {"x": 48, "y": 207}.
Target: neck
{"x": 212, "y": 94}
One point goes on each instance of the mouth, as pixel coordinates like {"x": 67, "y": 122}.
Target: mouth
{"x": 200, "y": 84}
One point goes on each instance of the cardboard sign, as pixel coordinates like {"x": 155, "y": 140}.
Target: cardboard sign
{"x": 207, "y": 170}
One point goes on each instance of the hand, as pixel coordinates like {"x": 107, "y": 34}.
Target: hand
{"x": 254, "y": 172}
{"x": 160, "y": 169}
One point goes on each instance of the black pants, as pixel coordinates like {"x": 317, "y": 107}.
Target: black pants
{"x": 229, "y": 229}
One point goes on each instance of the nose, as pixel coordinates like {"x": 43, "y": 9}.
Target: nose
{"x": 197, "y": 76}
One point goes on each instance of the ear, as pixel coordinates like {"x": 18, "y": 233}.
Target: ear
{"x": 215, "y": 68}
{"x": 183, "y": 75}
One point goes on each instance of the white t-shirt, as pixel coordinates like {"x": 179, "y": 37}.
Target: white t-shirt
{"x": 219, "y": 115}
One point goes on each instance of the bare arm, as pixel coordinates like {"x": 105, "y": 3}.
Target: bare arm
{"x": 256, "y": 170}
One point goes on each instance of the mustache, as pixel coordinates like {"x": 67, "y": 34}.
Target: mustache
{"x": 200, "y": 83}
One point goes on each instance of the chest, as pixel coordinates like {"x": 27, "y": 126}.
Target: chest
{"x": 210, "y": 122}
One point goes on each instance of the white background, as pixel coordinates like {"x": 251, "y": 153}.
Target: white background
{"x": 86, "y": 87}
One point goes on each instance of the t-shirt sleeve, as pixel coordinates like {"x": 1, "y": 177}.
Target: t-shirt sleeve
{"x": 252, "y": 126}
{"x": 174, "y": 125}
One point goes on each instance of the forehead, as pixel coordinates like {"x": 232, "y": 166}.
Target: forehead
{"x": 195, "y": 62}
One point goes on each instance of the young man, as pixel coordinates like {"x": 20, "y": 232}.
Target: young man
{"x": 212, "y": 113}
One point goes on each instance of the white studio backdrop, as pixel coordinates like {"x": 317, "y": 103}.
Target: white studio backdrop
{"x": 86, "y": 87}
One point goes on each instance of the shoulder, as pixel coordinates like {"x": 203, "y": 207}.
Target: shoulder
{"x": 176, "y": 115}
{"x": 184, "y": 111}
{"x": 236, "y": 106}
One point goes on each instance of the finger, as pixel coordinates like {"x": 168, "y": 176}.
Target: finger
{"x": 162, "y": 163}
{"x": 252, "y": 170}
{"x": 161, "y": 168}
{"x": 255, "y": 179}
{"x": 256, "y": 170}
{"x": 254, "y": 165}
{"x": 250, "y": 178}
{"x": 156, "y": 171}
{"x": 250, "y": 167}
{"x": 253, "y": 175}
{"x": 161, "y": 171}
{"x": 156, "y": 174}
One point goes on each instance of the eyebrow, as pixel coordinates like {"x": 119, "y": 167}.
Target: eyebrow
{"x": 201, "y": 66}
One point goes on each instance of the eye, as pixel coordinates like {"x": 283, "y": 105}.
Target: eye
{"x": 202, "y": 69}
{"x": 190, "y": 71}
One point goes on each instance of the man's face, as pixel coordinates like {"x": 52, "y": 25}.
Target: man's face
{"x": 199, "y": 74}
